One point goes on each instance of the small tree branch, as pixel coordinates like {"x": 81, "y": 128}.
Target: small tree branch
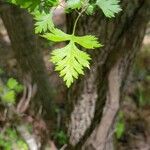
{"x": 101, "y": 134}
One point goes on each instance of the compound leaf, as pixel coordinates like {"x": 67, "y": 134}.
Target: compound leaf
{"x": 70, "y": 62}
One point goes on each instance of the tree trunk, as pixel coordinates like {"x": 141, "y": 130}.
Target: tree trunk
{"x": 96, "y": 97}
{"x": 19, "y": 25}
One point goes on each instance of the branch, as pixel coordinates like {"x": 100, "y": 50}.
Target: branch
{"x": 29, "y": 138}
{"x": 101, "y": 134}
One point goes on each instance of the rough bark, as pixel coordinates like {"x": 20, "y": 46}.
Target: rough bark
{"x": 19, "y": 25}
{"x": 97, "y": 96}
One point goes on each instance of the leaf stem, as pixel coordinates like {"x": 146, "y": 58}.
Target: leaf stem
{"x": 85, "y": 5}
{"x": 76, "y": 21}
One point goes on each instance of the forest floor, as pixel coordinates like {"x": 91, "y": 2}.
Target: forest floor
{"x": 136, "y": 104}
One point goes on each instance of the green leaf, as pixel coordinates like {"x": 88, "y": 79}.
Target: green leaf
{"x": 44, "y": 21}
{"x": 12, "y": 83}
{"x": 51, "y": 3}
{"x": 9, "y": 97}
{"x": 120, "y": 128}
{"x": 74, "y": 4}
{"x": 61, "y": 137}
{"x": 120, "y": 125}
{"x": 28, "y": 4}
{"x": 18, "y": 88}
{"x": 90, "y": 10}
{"x": 57, "y": 35}
{"x": 109, "y": 7}
{"x": 11, "y": 133}
{"x": 88, "y": 41}
{"x": 21, "y": 145}
{"x": 70, "y": 61}
{"x": 32, "y": 5}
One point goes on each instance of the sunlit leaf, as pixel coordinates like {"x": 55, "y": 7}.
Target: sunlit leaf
{"x": 69, "y": 60}
{"x": 109, "y": 7}
{"x": 74, "y": 4}
{"x": 12, "y": 83}
{"x": 9, "y": 97}
{"x": 44, "y": 21}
